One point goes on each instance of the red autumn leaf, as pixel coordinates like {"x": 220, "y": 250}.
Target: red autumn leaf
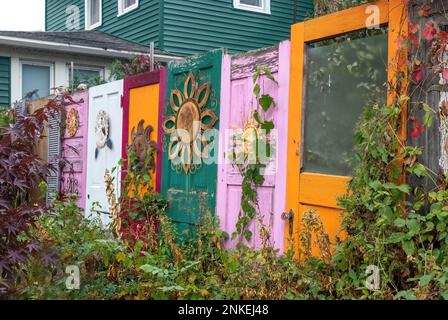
{"x": 413, "y": 27}
{"x": 424, "y": 10}
{"x": 445, "y": 74}
{"x": 443, "y": 35}
{"x": 417, "y": 73}
{"x": 417, "y": 128}
{"x": 430, "y": 31}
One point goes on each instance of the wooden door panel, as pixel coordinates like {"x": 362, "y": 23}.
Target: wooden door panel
{"x": 144, "y": 99}
{"x": 313, "y": 191}
{"x": 105, "y": 97}
{"x": 321, "y": 189}
{"x": 237, "y": 107}
{"x": 191, "y": 191}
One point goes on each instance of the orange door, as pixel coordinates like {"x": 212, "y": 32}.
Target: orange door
{"x": 143, "y": 110}
{"x": 336, "y": 64}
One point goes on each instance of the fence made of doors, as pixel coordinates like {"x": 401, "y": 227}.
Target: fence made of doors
{"x": 345, "y": 62}
{"x": 190, "y": 127}
{"x": 237, "y": 108}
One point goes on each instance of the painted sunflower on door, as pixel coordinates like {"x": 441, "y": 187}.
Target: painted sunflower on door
{"x": 187, "y": 144}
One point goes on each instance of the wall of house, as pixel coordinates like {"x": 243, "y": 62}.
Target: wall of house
{"x": 190, "y": 27}
{"x": 195, "y": 26}
{"x": 140, "y": 25}
{"x": 5, "y": 81}
{"x": 59, "y": 61}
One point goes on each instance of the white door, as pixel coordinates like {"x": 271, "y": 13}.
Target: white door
{"x": 104, "y": 145}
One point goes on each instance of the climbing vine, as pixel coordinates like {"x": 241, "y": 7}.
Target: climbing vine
{"x": 253, "y": 156}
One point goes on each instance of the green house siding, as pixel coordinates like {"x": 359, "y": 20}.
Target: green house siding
{"x": 198, "y": 25}
{"x": 5, "y": 81}
{"x": 190, "y": 27}
{"x": 140, "y": 25}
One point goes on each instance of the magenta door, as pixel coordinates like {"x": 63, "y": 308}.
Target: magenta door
{"x": 74, "y": 149}
{"x": 238, "y": 101}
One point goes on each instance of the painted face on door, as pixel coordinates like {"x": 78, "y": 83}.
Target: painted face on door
{"x": 141, "y": 147}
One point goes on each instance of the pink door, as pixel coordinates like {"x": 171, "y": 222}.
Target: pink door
{"x": 74, "y": 149}
{"x": 238, "y": 101}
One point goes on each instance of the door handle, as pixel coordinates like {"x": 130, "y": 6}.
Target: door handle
{"x": 288, "y": 215}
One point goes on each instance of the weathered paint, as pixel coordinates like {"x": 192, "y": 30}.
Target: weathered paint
{"x": 190, "y": 195}
{"x": 193, "y": 26}
{"x": 237, "y": 103}
{"x": 306, "y": 191}
{"x": 5, "y": 81}
{"x": 140, "y": 25}
{"x": 74, "y": 151}
{"x": 144, "y": 98}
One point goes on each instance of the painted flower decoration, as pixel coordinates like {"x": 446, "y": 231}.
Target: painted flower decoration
{"x": 189, "y": 121}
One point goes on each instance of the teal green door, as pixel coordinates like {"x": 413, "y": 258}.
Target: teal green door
{"x": 190, "y": 149}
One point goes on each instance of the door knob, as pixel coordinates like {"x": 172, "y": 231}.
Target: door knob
{"x": 288, "y": 215}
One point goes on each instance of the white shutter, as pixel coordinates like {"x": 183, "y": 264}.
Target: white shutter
{"x": 54, "y": 153}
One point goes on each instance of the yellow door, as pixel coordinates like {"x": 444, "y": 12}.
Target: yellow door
{"x": 336, "y": 63}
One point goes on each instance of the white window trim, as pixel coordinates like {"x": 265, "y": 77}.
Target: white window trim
{"x": 37, "y": 63}
{"x": 100, "y": 69}
{"x": 122, "y": 10}
{"x": 87, "y": 15}
{"x": 265, "y": 9}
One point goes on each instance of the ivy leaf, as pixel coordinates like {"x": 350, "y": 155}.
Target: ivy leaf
{"x": 257, "y": 89}
{"x": 257, "y": 117}
{"x": 247, "y": 235}
{"x": 419, "y": 170}
{"x": 445, "y": 295}
{"x": 403, "y": 188}
{"x": 425, "y": 280}
{"x": 408, "y": 247}
{"x": 427, "y": 117}
{"x": 266, "y": 101}
{"x": 399, "y": 222}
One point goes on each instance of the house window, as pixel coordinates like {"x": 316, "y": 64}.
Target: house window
{"x": 86, "y": 75}
{"x": 262, "y": 6}
{"x": 94, "y": 9}
{"x": 124, "y": 6}
{"x": 36, "y": 76}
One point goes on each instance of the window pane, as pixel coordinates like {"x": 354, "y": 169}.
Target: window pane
{"x": 343, "y": 76}
{"x": 128, "y": 3}
{"x": 84, "y": 76}
{"x": 256, "y": 3}
{"x": 94, "y": 11}
{"x": 35, "y": 77}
